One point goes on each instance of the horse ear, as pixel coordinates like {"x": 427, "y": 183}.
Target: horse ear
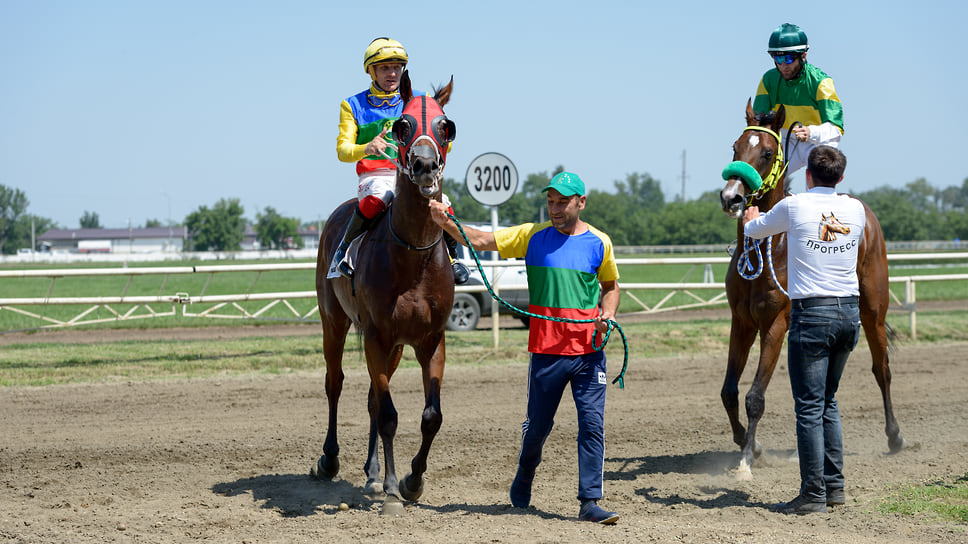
{"x": 780, "y": 119}
{"x": 442, "y": 96}
{"x": 750, "y": 114}
{"x": 406, "y": 89}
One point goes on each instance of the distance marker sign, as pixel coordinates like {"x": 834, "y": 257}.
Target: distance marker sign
{"x": 491, "y": 179}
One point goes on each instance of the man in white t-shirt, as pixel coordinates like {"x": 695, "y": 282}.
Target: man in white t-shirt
{"x": 824, "y": 230}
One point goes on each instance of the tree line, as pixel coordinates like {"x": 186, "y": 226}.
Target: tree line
{"x": 637, "y": 214}
{"x": 634, "y": 214}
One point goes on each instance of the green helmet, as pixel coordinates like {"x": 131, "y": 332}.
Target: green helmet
{"x": 788, "y": 38}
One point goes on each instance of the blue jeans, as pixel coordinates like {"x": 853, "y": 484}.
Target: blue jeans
{"x": 547, "y": 377}
{"x": 821, "y": 338}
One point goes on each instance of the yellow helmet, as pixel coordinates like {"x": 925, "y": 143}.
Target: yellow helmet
{"x": 383, "y": 50}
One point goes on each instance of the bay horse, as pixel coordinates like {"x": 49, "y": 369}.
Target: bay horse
{"x": 758, "y": 302}
{"x": 401, "y": 293}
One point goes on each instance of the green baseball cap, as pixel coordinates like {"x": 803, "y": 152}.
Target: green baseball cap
{"x": 567, "y": 184}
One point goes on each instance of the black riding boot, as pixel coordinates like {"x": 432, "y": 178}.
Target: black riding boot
{"x": 461, "y": 274}
{"x": 356, "y": 226}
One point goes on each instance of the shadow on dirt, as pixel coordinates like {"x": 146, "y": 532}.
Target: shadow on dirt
{"x": 294, "y": 495}
{"x": 713, "y": 463}
{"x": 716, "y": 464}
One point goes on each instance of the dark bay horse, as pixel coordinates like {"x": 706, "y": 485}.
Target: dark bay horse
{"x": 401, "y": 294}
{"x": 759, "y": 306}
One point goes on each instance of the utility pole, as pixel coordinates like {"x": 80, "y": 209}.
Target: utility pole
{"x": 168, "y": 198}
{"x": 683, "y": 175}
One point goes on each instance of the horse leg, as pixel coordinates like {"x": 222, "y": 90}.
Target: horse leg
{"x": 771, "y": 340}
{"x": 334, "y": 338}
{"x": 383, "y": 421}
{"x": 876, "y": 332}
{"x": 371, "y": 467}
{"x": 432, "y": 365}
{"x": 740, "y": 340}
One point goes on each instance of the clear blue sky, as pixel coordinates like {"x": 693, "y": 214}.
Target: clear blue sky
{"x": 131, "y": 108}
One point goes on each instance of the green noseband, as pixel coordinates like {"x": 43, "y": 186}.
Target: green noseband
{"x": 750, "y": 176}
{"x": 745, "y": 172}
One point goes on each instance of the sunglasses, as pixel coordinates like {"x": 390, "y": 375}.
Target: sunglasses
{"x": 785, "y": 59}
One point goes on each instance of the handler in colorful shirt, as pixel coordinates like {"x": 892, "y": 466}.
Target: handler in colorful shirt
{"x": 824, "y": 230}
{"x": 365, "y": 120}
{"x": 571, "y": 274}
{"x": 805, "y": 91}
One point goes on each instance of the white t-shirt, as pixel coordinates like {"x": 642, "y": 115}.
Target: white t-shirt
{"x": 824, "y": 230}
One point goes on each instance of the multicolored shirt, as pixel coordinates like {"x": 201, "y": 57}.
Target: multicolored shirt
{"x": 810, "y": 98}
{"x": 361, "y": 119}
{"x": 563, "y": 281}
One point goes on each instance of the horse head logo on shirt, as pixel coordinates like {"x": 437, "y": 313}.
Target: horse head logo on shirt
{"x": 830, "y": 226}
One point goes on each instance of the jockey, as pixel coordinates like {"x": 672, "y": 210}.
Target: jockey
{"x": 364, "y": 137}
{"x": 805, "y": 91}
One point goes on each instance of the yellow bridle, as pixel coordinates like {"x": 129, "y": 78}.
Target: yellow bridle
{"x": 778, "y": 168}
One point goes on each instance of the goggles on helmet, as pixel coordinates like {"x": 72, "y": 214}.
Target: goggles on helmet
{"x": 784, "y": 58}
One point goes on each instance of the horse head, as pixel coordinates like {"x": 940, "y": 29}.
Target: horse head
{"x": 830, "y": 226}
{"x": 757, "y": 165}
{"x": 423, "y": 134}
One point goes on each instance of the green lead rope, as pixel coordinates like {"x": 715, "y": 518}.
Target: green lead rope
{"x": 620, "y": 379}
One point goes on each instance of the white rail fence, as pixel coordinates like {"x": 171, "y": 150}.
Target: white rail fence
{"x": 228, "y": 306}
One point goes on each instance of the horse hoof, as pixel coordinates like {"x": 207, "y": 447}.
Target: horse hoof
{"x": 326, "y": 468}
{"x": 897, "y": 444}
{"x": 743, "y": 472}
{"x": 392, "y": 506}
{"x": 411, "y": 493}
{"x": 373, "y": 488}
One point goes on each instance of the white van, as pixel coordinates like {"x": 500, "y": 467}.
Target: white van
{"x": 512, "y": 283}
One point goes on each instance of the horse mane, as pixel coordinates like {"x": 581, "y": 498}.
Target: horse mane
{"x": 766, "y": 118}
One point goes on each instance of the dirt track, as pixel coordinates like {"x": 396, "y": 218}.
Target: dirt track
{"x": 226, "y": 460}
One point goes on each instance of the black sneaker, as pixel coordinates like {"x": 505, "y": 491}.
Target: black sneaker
{"x": 800, "y": 506}
{"x": 521, "y": 488}
{"x": 591, "y": 511}
{"x": 836, "y": 497}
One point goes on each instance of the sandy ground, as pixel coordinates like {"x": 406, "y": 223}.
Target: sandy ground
{"x": 227, "y": 460}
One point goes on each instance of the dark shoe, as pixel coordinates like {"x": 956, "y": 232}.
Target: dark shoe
{"x": 339, "y": 256}
{"x": 836, "y": 497}
{"x": 461, "y": 274}
{"x": 521, "y": 488}
{"x": 800, "y": 506}
{"x": 591, "y": 511}
{"x": 356, "y": 226}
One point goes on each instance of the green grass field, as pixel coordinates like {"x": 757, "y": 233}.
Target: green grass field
{"x": 35, "y": 362}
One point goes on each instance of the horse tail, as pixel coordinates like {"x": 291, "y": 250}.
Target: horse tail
{"x": 892, "y": 338}
{"x": 362, "y": 352}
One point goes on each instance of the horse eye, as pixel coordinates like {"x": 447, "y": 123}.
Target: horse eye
{"x": 402, "y": 130}
{"x": 445, "y": 130}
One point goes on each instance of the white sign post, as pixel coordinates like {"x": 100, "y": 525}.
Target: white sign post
{"x": 491, "y": 180}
